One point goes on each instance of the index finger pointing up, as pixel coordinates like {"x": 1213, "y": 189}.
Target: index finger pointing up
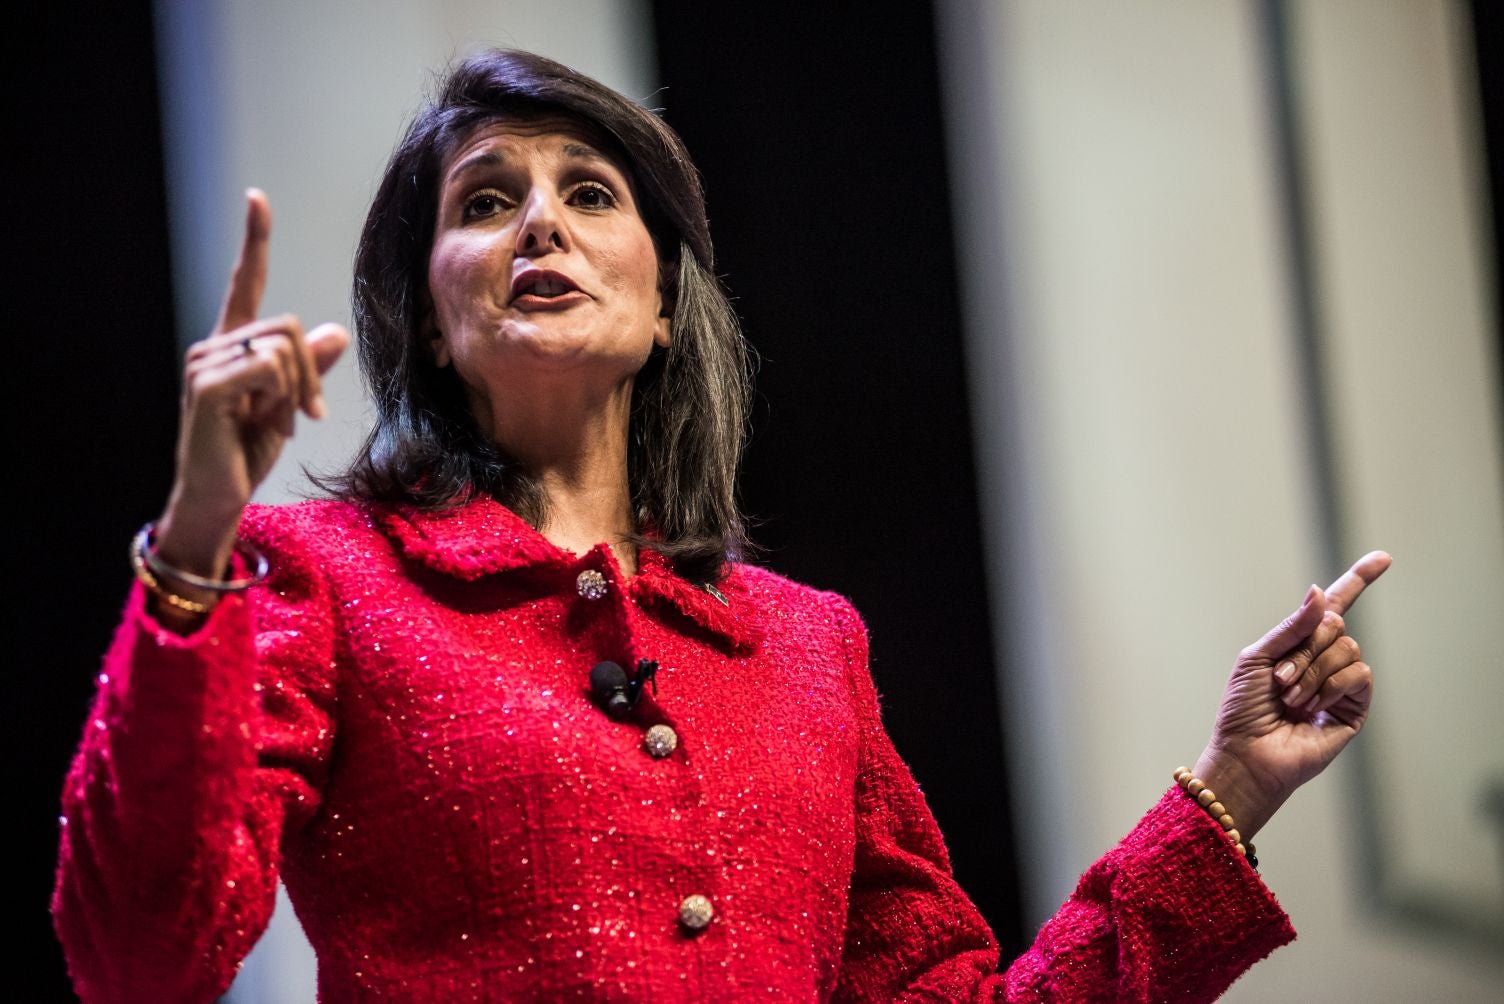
{"x": 248, "y": 281}
{"x": 1341, "y": 595}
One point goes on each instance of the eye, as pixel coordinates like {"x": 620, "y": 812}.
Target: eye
{"x": 593, "y": 195}
{"x": 486, "y": 202}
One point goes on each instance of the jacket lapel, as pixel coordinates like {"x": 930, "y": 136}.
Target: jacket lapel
{"x": 483, "y": 537}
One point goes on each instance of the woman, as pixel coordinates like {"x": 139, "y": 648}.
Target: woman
{"x": 508, "y": 714}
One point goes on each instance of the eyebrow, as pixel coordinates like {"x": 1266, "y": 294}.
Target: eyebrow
{"x": 581, "y": 152}
{"x": 491, "y": 158}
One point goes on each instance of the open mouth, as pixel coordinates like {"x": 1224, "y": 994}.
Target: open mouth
{"x": 542, "y": 285}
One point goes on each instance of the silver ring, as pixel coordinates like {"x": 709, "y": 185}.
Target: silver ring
{"x": 245, "y": 346}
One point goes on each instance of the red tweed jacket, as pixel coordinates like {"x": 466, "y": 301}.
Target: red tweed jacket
{"x": 400, "y": 725}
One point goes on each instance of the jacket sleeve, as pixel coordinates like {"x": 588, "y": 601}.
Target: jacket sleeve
{"x": 197, "y": 752}
{"x": 1171, "y": 913}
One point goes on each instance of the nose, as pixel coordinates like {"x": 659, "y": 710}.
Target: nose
{"x": 541, "y": 227}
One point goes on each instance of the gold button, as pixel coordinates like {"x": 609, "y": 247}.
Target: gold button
{"x": 590, "y": 584}
{"x": 695, "y": 912}
{"x": 660, "y": 741}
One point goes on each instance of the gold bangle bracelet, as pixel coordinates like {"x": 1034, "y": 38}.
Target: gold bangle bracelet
{"x": 138, "y": 564}
{"x": 144, "y": 547}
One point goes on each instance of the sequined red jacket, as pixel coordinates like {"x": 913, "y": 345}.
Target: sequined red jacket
{"x": 400, "y": 725}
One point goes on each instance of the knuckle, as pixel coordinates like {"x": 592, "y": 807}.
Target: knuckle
{"x": 271, "y": 347}
{"x": 206, "y": 385}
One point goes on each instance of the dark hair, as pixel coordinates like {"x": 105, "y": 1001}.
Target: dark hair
{"x": 689, "y": 401}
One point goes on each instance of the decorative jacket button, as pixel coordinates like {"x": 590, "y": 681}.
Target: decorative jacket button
{"x": 590, "y": 584}
{"x": 661, "y": 740}
{"x": 695, "y": 913}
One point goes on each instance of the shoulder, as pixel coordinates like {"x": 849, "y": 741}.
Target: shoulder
{"x": 312, "y": 515}
{"x": 305, "y": 528}
{"x": 795, "y": 603}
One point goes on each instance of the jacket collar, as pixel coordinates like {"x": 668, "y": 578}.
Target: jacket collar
{"x": 483, "y": 537}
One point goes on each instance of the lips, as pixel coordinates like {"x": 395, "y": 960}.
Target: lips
{"x": 540, "y": 284}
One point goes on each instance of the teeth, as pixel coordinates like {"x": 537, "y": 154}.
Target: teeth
{"x": 548, "y": 287}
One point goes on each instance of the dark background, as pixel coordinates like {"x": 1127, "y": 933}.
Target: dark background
{"x": 824, "y": 159}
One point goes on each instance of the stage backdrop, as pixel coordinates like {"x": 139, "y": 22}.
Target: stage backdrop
{"x": 1233, "y": 323}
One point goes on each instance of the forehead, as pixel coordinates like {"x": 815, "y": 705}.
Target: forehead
{"x": 558, "y": 135}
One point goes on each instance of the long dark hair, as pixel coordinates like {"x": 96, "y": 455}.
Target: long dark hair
{"x": 690, "y": 401}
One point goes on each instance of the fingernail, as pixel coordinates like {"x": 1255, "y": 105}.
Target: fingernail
{"x": 1285, "y": 672}
{"x": 1292, "y": 696}
{"x": 1311, "y": 704}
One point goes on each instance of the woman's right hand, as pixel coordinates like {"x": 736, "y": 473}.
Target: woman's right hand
{"x": 242, "y": 387}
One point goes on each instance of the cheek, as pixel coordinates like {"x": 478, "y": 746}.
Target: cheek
{"x": 632, "y": 270}
{"x": 458, "y": 277}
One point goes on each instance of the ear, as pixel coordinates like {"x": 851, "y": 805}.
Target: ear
{"x": 663, "y": 325}
{"x": 431, "y": 336}
{"x": 662, "y": 330}
{"x": 439, "y": 349}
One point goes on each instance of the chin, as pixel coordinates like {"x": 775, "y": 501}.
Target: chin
{"x": 568, "y": 346}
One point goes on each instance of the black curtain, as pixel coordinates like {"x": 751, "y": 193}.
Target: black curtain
{"x": 1488, "y": 22}
{"x": 94, "y": 400}
{"x": 820, "y": 140}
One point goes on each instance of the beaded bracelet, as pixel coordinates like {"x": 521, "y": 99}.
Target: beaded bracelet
{"x": 1207, "y": 799}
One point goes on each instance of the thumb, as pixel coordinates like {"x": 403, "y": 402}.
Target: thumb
{"x": 1293, "y": 629}
{"x": 327, "y": 342}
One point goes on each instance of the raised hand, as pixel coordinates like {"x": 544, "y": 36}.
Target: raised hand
{"x": 1294, "y": 700}
{"x": 242, "y": 386}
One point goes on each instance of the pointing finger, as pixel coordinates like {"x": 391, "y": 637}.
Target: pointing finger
{"x": 248, "y": 280}
{"x": 1342, "y": 594}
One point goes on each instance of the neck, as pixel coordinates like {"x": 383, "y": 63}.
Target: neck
{"x": 583, "y": 511}
{"x": 576, "y": 449}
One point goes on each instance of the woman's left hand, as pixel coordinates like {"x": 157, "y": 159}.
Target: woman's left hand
{"x": 1294, "y": 700}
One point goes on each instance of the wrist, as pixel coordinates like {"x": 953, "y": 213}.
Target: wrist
{"x": 1206, "y": 798}
{"x": 169, "y": 607}
{"x": 181, "y": 597}
{"x": 1238, "y": 788}
{"x": 196, "y": 537}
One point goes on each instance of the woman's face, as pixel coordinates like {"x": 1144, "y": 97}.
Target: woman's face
{"x": 541, "y": 265}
